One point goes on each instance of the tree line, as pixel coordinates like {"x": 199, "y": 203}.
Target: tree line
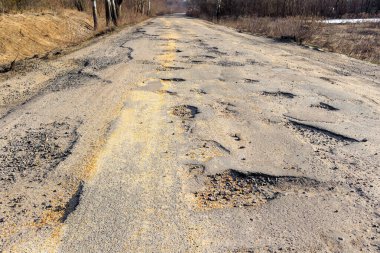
{"x": 282, "y": 8}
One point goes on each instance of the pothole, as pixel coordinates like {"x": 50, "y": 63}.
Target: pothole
{"x": 253, "y": 62}
{"x": 139, "y": 30}
{"x": 278, "y": 94}
{"x": 108, "y": 58}
{"x": 320, "y": 136}
{"x": 197, "y": 61}
{"x": 225, "y": 108}
{"x": 169, "y": 68}
{"x": 198, "y": 91}
{"x": 175, "y": 79}
{"x": 185, "y": 111}
{"x": 205, "y": 150}
{"x": 327, "y": 79}
{"x": 247, "y": 80}
{"x": 209, "y": 56}
{"x": 230, "y": 64}
{"x": 72, "y": 79}
{"x": 325, "y": 106}
{"x": 214, "y": 50}
{"x": 173, "y": 93}
{"x": 195, "y": 169}
{"x": 37, "y": 152}
{"x": 236, "y": 189}
{"x": 73, "y": 202}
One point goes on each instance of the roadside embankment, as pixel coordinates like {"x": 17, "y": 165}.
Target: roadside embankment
{"x": 39, "y": 34}
{"x": 28, "y": 35}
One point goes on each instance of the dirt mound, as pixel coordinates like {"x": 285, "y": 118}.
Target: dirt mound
{"x": 27, "y": 35}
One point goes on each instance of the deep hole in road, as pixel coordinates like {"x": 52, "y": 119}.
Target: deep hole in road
{"x": 278, "y": 94}
{"x": 325, "y": 106}
{"x": 174, "y": 79}
{"x": 233, "y": 188}
{"x": 185, "y": 111}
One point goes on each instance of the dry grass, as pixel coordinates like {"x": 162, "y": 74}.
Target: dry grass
{"x": 361, "y": 41}
{"x": 293, "y": 28}
{"x": 32, "y": 28}
{"x": 34, "y": 34}
{"x": 26, "y": 35}
{"x": 12, "y": 6}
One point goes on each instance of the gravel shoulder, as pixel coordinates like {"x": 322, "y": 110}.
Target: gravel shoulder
{"x": 179, "y": 135}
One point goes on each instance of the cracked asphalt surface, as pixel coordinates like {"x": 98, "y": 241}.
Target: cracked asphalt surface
{"x": 178, "y": 135}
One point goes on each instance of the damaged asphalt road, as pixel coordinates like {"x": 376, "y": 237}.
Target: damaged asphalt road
{"x": 178, "y": 135}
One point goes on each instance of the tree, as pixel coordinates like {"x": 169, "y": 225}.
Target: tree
{"x": 95, "y": 14}
{"x": 112, "y": 11}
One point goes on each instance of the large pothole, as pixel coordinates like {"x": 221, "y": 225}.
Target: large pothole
{"x": 185, "y": 111}
{"x": 278, "y": 94}
{"x": 36, "y": 152}
{"x": 236, "y": 189}
{"x": 319, "y": 136}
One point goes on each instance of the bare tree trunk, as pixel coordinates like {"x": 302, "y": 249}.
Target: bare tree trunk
{"x": 118, "y": 7}
{"x": 141, "y": 6}
{"x": 149, "y": 7}
{"x": 113, "y": 12}
{"x": 95, "y": 14}
{"x": 80, "y": 5}
{"x": 218, "y": 9}
{"x": 107, "y": 6}
{"x": 118, "y": 11}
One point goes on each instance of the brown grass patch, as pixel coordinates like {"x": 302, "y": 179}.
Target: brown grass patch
{"x": 29, "y": 34}
{"x": 361, "y": 41}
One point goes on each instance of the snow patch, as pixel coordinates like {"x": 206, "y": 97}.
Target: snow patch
{"x": 353, "y": 21}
